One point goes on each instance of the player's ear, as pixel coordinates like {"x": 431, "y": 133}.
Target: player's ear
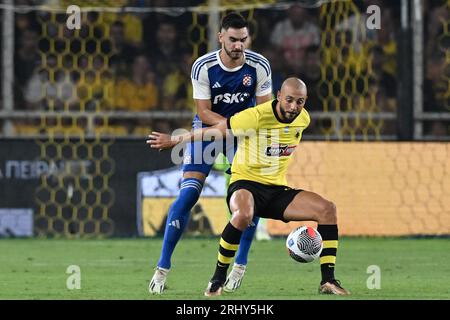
{"x": 248, "y": 42}
{"x": 278, "y": 95}
{"x": 220, "y": 36}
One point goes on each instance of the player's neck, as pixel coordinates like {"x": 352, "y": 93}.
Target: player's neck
{"x": 228, "y": 62}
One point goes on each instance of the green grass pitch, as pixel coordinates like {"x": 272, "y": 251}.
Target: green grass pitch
{"x": 121, "y": 269}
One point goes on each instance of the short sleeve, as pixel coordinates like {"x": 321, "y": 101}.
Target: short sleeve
{"x": 201, "y": 86}
{"x": 264, "y": 78}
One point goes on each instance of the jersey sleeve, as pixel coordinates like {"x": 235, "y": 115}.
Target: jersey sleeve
{"x": 243, "y": 121}
{"x": 264, "y": 78}
{"x": 201, "y": 86}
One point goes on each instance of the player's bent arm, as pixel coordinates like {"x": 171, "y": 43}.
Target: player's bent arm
{"x": 205, "y": 113}
{"x": 163, "y": 141}
{"x": 262, "y": 99}
{"x": 202, "y": 97}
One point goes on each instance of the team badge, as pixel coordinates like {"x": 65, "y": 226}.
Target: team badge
{"x": 286, "y": 130}
{"x": 247, "y": 80}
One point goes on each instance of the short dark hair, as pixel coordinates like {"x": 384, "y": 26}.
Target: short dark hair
{"x": 234, "y": 20}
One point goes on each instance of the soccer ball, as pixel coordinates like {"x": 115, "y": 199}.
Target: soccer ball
{"x": 304, "y": 244}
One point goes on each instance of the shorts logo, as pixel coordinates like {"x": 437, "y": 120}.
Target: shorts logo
{"x": 247, "y": 80}
{"x": 187, "y": 160}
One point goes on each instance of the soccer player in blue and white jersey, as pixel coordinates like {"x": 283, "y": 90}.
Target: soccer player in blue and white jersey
{"x": 225, "y": 82}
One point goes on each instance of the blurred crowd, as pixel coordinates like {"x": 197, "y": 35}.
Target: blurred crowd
{"x": 141, "y": 62}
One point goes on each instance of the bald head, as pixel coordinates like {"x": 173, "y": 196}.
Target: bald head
{"x": 294, "y": 84}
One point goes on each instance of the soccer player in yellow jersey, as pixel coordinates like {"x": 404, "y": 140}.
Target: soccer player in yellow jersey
{"x": 267, "y": 137}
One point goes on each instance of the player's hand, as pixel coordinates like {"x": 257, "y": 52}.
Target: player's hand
{"x": 162, "y": 141}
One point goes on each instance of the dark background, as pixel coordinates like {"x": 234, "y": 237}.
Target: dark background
{"x": 130, "y": 157}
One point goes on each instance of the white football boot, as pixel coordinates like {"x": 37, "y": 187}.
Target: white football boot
{"x": 234, "y": 279}
{"x": 261, "y": 232}
{"x": 157, "y": 284}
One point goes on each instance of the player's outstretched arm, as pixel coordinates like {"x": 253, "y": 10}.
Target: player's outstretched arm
{"x": 162, "y": 141}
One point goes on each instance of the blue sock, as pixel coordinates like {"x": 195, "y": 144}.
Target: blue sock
{"x": 178, "y": 217}
{"x": 246, "y": 242}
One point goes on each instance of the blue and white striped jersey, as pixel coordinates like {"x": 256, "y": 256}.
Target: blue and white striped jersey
{"x": 231, "y": 90}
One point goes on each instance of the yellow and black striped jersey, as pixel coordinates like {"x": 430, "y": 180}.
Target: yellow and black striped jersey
{"x": 265, "y": 143}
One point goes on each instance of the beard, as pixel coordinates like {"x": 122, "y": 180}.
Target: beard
{"x": 288, "y": 116}
{"x": 234, "y": 55}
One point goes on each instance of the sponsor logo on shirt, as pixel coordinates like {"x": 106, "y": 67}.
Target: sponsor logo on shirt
{"x": 238, "y": 97}
{"x": 280, "y": 150}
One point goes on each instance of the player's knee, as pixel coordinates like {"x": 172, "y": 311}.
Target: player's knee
{"x": 242, "y": 218}
{"x": 186, "y": 200}
{"x": 328, "y": 213}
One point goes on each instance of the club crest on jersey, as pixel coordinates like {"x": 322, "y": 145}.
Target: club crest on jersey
{"x": 247, "y": 80}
